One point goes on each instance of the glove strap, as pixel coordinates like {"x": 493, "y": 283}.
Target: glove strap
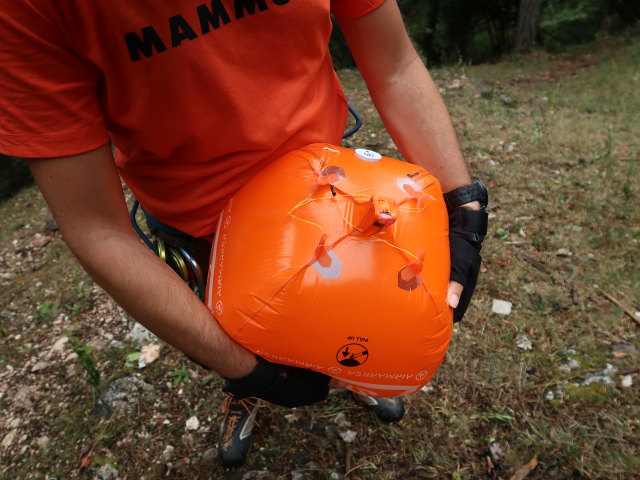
{"x": 467, "y": 220}
{"x": 476, "y": 191}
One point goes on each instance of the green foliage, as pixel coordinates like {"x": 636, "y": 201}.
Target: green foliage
{"x": 48, "y": 310}
{"x": 567, "y": 22}
{"x": 629, "y": 180}
{"x": 87, "y": 360}
{"x": 181, "y": 375}
{"x": 132, "y": 357}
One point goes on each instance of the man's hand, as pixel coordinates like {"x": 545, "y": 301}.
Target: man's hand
{"x": 467, "y": 228}
{"x": 280, "y": 384}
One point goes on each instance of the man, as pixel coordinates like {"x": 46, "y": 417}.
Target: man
{"x": 196, "y": 98}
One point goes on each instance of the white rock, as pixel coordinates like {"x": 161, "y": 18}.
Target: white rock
{"x": 168, "y": 452}
{"x": 39, "y": 366}
{"x": 291, "y": 418}
{"x": 58, "y": 347}
{"x": 563, "y": 252}
{"x": 572, "y": 363}
{"x": 525, "y": 343}
{"x": 140, "y": 334}
{"x": 43, "y": 442}
{"x": 192, "y": 423}
{"x": 569, "y": 365}
{"x": 22, "y": 397}
{"x": 626, "y": 381}
{"x": 427, "y": 389}
{"x": 496, "y": 451}
{"x": 604, "y": 377}
{"x": 71, "y": 356}
{"x": 106, "y": 472}
{"x": 348, "y": 436}
{"x": 148, "y": 354}
{"x": 341, "y": 420}
{"x": 8, "y": 439}
{"x": 501, "y": 307}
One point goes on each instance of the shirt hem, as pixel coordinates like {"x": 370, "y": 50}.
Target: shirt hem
{"x": 51, "y": 145}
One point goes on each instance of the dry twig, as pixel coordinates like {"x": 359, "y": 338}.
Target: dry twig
{"x": 537, "y": 265}
{"x": 625, "y": 309}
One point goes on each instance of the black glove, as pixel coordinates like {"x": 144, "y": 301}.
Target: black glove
{"x": 467, "y": 229}
{"x": 280, "y": 384}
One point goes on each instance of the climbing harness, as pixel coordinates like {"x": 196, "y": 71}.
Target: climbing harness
{"x": 176, "y": 256}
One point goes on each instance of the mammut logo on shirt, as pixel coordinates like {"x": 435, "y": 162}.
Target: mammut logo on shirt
{"x": 148, "y": 41}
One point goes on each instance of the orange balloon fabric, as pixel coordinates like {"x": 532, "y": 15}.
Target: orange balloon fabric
{"x": 337, "y": 260}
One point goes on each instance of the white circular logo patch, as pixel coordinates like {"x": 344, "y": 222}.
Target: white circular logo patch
{"x": 368, "y": 155}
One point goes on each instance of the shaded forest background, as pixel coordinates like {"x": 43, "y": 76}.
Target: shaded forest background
{"x": 478, "y": 31}
{"x": 467, "y": 32}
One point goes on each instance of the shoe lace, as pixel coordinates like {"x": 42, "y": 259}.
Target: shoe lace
{"x": 232, "y": 416}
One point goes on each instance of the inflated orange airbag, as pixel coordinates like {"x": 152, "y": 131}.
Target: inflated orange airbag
{"x": 337, "y": 260}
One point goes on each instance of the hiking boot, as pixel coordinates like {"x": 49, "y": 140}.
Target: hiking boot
{"x": 388, "y": 410}
{"x": 235, "y": 431}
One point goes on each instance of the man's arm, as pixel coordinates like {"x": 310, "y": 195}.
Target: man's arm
{"x": 404, "y": 94}
{"x": 408, "y": 100}
{"x": 85, "y": 196}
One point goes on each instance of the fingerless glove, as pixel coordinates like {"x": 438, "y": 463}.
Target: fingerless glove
{"x": 467, "y": 229}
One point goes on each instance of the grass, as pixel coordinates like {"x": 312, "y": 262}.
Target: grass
{"x": 556, "y": 138}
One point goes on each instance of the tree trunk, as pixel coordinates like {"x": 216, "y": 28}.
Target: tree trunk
{"x": 428, "y": 39}
{"x": 527, "y": 28}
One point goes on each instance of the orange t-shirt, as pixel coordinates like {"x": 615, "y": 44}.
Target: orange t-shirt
{"x": 197, "y": 96}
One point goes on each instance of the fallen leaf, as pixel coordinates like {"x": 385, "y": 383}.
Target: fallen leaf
{"x": 40, "y": 241}
{"x": 85, "y": 459}
{"x": 524, "y": 471}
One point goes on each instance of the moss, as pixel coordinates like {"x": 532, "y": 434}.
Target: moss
{"x": 594, "y": 393}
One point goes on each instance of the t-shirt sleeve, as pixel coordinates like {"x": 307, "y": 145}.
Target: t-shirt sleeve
{"x": 354, "y": 8}
{"x": 49, "y": 103}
